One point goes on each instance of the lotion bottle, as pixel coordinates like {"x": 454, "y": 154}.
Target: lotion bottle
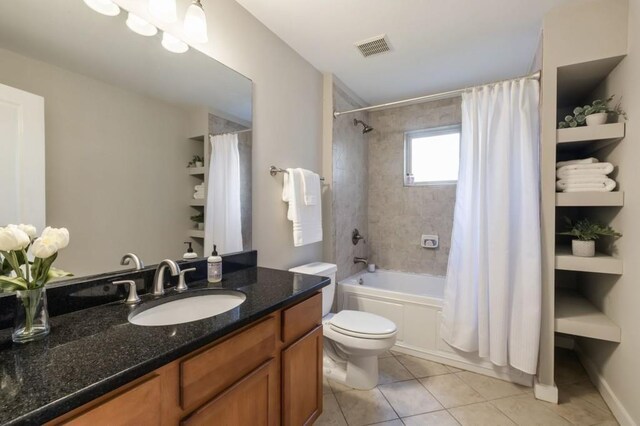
{"x": 190, "y": 254}
{"x": 214, "y": 267}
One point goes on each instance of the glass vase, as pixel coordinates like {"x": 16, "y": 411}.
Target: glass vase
{"x": 32, "y": 318}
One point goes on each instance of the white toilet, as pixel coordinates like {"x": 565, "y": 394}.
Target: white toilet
{"x": 352, "y": 339}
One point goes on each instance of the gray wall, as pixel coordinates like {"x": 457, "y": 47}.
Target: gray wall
{"x": 350, "y": 185}
{"x": 399, "y": 215}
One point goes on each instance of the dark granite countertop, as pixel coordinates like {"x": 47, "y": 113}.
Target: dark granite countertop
{"x": 93, "y": 351}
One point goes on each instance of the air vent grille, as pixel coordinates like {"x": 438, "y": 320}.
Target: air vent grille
{"x": 373, "y": 46}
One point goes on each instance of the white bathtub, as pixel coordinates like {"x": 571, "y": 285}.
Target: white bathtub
{"x": 414, "y": 303}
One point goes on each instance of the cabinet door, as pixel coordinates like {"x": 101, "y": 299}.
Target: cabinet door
{"x": 302, "y": 380}
{"x": 253, "y": 400}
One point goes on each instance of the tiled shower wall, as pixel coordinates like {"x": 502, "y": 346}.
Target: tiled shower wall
{"x": 350, "y": 187}
{"x": 399, "y": 215}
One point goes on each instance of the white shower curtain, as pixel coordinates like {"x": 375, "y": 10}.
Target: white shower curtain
{"x": 223, "y": 216}
{"x": 493, "y": 291}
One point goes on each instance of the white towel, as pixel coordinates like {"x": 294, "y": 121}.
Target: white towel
{"x": 589, "y": 160}
{"x": 310, "y": 187}
{"x": 607, "y": 185}
{"x": 595, "y": 169}
{"x": 307, "y": 220}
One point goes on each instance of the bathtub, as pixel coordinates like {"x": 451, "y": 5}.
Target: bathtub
{"x": 414, "y": 303}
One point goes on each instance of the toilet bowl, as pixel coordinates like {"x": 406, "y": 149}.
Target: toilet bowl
{"x": 352, "y": 339}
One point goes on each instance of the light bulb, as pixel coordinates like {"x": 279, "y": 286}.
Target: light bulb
{"x": 173, "y": 44}
{"x": 165, "y": 10}
{"x": 195, "y": 23}
{"x": 140, "y": 26}
{"x": 105, "y": 7}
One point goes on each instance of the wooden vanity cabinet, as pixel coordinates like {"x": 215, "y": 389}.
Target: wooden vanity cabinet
{"x": 267, "y": 373}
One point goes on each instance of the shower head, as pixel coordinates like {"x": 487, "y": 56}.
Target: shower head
{"x": 365, "y": 127}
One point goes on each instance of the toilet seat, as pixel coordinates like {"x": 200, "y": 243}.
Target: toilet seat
{"x": 362, "y": 325}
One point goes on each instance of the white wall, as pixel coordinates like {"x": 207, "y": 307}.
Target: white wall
{"x": 619, "y": 364}
{"x": 287, "y": 116}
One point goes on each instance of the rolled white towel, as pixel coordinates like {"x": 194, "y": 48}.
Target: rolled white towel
{"x": 607, "y": 186}
{"x": 595, "y": 169}
{"x": 589, "y": 160}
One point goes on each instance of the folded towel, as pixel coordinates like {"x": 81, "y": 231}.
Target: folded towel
{"x": 582, "y": 180}
{"x": 595, "y": 169}
{"x": 198, "y": 196}
{"x": 607, "y": 186}
{"x": 310, "y": 187}
{"x": 307, "y": 220}
{"x": 589, "y": 160}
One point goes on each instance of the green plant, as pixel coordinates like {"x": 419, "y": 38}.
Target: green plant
{"x": 580, "y": 113}
{"x": 194, "y": 160}
{"x": 585, "y": 230}
{"x": 199, "y": 218}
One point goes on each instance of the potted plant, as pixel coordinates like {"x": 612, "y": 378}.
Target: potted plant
{"x": 29, "y": 277}
{"x": 586, "y": 233}
{"x": 196, "y": 161}
{"x": 592, "y": 115}
{"x": 198, "y": 220}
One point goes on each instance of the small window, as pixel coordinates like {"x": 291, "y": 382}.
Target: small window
{"x": 432, "y": 156}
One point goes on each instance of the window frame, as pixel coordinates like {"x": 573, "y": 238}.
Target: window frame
{"x": 432, "y": 131}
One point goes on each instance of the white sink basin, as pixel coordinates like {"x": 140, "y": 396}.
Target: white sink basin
{"x": 189, "y": 308}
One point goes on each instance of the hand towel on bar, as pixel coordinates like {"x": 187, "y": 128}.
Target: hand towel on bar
{"x": 307, "y": 220}
{"x": 589, "y": 160}
{"x": 607, "y": 186}
{"x": 310, "y": 187}
{"x": 595, "y": 169}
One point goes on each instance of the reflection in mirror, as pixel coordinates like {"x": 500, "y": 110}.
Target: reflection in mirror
{"x": 129, "y": 146}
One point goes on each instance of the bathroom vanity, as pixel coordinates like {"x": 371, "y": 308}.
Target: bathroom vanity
{"x": 258, "y": 364}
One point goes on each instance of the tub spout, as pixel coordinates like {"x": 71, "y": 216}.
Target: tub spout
{"x": 357, "y": 260}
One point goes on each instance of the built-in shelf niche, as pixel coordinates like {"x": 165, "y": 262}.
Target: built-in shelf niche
{"x": 576, "y": 316}
{"x": 195, "y": 233}
{"x": 590, "y": 199}
{"x": 600, "y": 263}
{"x": 588, "y": 139}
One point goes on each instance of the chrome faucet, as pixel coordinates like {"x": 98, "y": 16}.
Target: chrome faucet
{"x": 357, "y": 260}
{"x": 132, "y": 257}
{"x": 158, "y": 279}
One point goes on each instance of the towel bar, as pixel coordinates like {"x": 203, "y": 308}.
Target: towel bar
{"x": 273, "y": 170}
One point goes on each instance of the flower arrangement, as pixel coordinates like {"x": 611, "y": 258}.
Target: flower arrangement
{"x": 580, "y": 114}
{"x": 17, "y": 272}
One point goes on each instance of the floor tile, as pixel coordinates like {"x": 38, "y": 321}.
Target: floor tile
{"x": 396, "y": 422}
{"x": 568, "y": 368}
{"x": 421, "y": 367}
{"x": 326, "y": 387}
{"x": 331, "y": 413}
{"x": 489, "y": 387}
{"x": 451, "y": 391}
{"x": 390, "y": 370}
{"x": 584, "y": 390}
{"x": 525, "y": 410}
{"x": 365, "y": 407}
{"x": 409, "y": 398}
{"x": 385, "y": 354}
{"x": 338, "y": 387}
{"x": 482, "y": 414}
{"x": 608, "y": 423}
{"x": 453, "y": 369}
{"x": 578, "y": 411}
{"x": 437, "y": 418}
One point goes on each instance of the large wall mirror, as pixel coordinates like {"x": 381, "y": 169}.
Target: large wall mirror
{"x": 129, "y": 146}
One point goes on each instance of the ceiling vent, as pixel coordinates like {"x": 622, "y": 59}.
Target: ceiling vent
{"x": 373, "y": 46}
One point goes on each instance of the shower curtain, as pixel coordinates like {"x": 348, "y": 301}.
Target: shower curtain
{"x": 223, "y": 217}
{"x": 493, "y": 293}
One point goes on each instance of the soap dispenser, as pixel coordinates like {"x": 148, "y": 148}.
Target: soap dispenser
{"x": 214, "y": 267}
{"x": 190, "y": 254}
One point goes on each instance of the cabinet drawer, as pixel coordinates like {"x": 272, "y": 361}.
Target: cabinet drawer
{"x": 299, "y": 319}
{"x": 251, "y": 401}
{"x": 207, "y": 373}
{"x": 138, "y": 405}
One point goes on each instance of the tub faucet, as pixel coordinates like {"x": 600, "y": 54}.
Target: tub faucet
{"x": 357, "y": 260}
{"x": 158, "y": 279}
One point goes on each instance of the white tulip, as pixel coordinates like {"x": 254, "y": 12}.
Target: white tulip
{"x": 30, "y": 230}
{"x": 13, "y": 238}
{"x": 44, "y": 248}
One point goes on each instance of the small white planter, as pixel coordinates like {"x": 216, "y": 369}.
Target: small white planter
{"x": 597, "y": 119}
{"x": 201, "y": 226}
{"x": 583, "y": 248}
{"x": 199, "y": 164}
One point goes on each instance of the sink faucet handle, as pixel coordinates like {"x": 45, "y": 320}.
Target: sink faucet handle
{"x": 182, "y": 285}
{"x": 132, "y": 298}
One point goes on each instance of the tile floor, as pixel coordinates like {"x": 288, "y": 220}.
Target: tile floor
{"x": 414, "y": 392}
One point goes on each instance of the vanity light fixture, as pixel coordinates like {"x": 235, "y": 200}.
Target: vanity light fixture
{"x": 105, "y": 7}
{"x": 173, "y": 44}
{"x": 195, "y": 23}
{"x": 140, "y": 26}
{"x": 164, "y": 10}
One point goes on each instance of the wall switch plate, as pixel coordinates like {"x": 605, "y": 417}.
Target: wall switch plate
{"x": 430, "y": 241}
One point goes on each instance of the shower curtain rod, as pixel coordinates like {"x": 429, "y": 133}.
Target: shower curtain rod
{"x": 443, "y": 95}
{"x": 231, "y": 133}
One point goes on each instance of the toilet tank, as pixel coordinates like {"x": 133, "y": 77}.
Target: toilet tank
{"x": 325, "y": 270}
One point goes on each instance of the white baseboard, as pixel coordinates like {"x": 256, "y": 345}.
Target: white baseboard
{"x": 545, "y": 392}
{"x": 616, "y": 407}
